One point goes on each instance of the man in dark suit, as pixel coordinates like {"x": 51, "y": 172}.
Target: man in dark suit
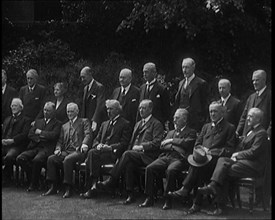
{"x": 14, "y": 136}
{"x": 72, "y": 147}
{"x": 260, "y": 99}
{"x": 143, "y": 150}
{"x": 43, "y": 136}
{"x": 177, "y": 145}
{"x": 248, "y": 161}
{"x": 232, "y": 104}
{"x": 8, "y": 93}
{"x": 192, "y": 94}
{"x": 156, "y": 92}
{"x": 32, "y": 95}
{"x": 218, "y": 140}
{"x": 93, "y": 102}
{"x": 112, "y": 140}
{"x": 128, "y": 96}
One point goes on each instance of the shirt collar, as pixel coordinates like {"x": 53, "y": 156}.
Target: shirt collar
{"x": 215, "y": 124}
{"x": 225, "y": 99}
{"x": 182, "y": 129}
{"x": 257, "y": 125}
{"x": 74, "y": 119}
{"x": 190, "y": 78}
{"x": 16, "y": 114}
{"x": 126, "y": 88}
{"x": 261, "y": 91}
{"x": 47, "y": 120}
{"x": 32, "y": 88}
{"x": 90, "y": 84}
{"x": 152, "y": 82}
{"x": 147, "y": 119}
{"x": 114, "y": 120}
{"x": 4, "y": 88}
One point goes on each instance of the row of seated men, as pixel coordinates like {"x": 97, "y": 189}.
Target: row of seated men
{"x": 62, "y": 147}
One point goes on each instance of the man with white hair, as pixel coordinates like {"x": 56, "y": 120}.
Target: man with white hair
{"x": 232, "y": 104}
{"x": 14, "y": 136}
{"x": 248, "y": 161}
{"x": 43, "y": 136}
{"x": 111, "y": 141}
{"x": 128, "y": 96}
{"x": 32, "y": 95}
{"x": 72, "y": 147}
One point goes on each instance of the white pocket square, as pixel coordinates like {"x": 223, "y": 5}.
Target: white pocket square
{"x": 36, "y": 98}
{"x": 158, "y": 96}
{"x": 133, "y": 100}
{"x": 93, "y": 96}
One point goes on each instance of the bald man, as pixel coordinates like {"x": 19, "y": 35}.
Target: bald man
{"x": 260, "y": 99}
{"x": 128, "y": 96}
{"x": 93, "y": 102}
{"x": 43, "y": 136}
{"x": 232, "y": 104}
{"x": 157, "y": 93}
{"x": 32, "y": 95}
{"x": 248, "y": 161}
{"x": 193, "y": 95}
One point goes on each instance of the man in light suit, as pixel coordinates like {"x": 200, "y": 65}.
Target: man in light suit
{"x": 112, "y": 140}
{"x": 218, "y": 140}
{"x": 72, "y": 147}
{"x": 176, "y": 147}
{"x": 93, "y": 102}
{"x": 157, "y": 93}
{"x": 8, "y": 93}
{"x": 143, "y": 150}
{"x": 128, "y": 96}
{"x": 32, "y": 95}
{"x": 232, "y": 104}
{"x": 43, "y": 136}
{"x": 14, "y": 136}
{"x": 248, "y": 161}
{"x": 260, "y": 99}
{"x": 192, "y": 94}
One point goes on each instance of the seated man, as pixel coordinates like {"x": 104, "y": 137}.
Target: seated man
{"x": 72, "y": 147}
{"x": 248, "y": 161}
{"x": 113, "y": 138}
{"x": 14, "y": 137}
{"x": 177, "y": 145}
{"x": 43, "y": 136}
{"x": 218, "y": 139}
{"x": 143, "y": 149}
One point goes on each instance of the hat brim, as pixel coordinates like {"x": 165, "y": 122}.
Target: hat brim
{"x": 195, "y": 164}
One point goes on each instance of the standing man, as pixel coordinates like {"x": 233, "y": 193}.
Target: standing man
{"x": 143, "y": 150}
{"x": 43, "y": 136}
{"x": 111, "y": 141}
{"x": 260, "y": 99}
{"x": 248, "y": 161}
{"x": 156, "y": 92}
{"x": 193, "y": 95}
{"x": 93, "y": 99}
{"x": 217, "y": 138}
{"x": 128, "y": 96}
{"x": 232, "y": 104}
{"x": 72, "y": 147}
{"x": 177, "y": 145}
{"x": 8, "y": 93}
{"x": 14, "y": 136}
{"x": 32, "y": 95}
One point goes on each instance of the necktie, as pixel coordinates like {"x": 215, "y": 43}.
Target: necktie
{"x": 256, "y": 98}
{"x": 31, "y": 89}
{"x": 71, "y": 129}
{"x": 147, "y": 90}
{"x": 122, "y": 96}
{"x": 86, "y": 92}
{"x": 223, "y": 102}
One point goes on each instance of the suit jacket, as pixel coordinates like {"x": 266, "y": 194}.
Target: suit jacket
{"x": 118, "y": 138}
{"x": 198, "y": 101}
{"x": 233, "y": 110}
{"x": 60, "y": 112}
{"x": 130, "y": 103}
{"x": 161, "y": 102}
{"x": 81, "y": 135}
{"x": 149, "y": 136}
{"x": 32, "y": 101}
{"x": 49, "y": 135}
{"x": 263, "y": 103}
{"x": 20, "y": 130}
{"x": 220, "y": 140}
{"x": 253, "y": 149}
{"x": 7, "y": 97}
{"x": 93, "y": 103}
{"x": 182, "y": 144}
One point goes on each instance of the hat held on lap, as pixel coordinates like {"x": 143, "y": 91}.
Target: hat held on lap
{"x": 199, "y": 157}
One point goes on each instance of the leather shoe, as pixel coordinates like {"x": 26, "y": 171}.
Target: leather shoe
{"x": 31, "y": 188}
{"x": 68, "y": 193}
{"x": 130, "y": 199}
{"x": 149, "y": 201}
{"x": 216, "y": 212}
{"x": 107, "y": 184}
{"x": 167, "y": 204}
{"x": 51, "y": 191}
{"x": 193, "y": 209}
{"x": 182, "y": 193}
{"x": 207, "y": 190}
{"x": 89, "y": 194}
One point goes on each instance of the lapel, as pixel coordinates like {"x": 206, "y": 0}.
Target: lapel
{"x": 147, "y": 124}
{"x": 142, "y": 92}
{"x": 193, "y": 86}
{"x": 217, "y": 129}
{"x": 247, "y": 139}
{"x": 260, "y": 98}
{"x": 117, "y": 93}
{"x": 104, "y": 130}
{"x": 180, "y": 87}
{"x": 75, "y": 124}
{"x": 92, "y": 90}
{"x": 154, "y": 90}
